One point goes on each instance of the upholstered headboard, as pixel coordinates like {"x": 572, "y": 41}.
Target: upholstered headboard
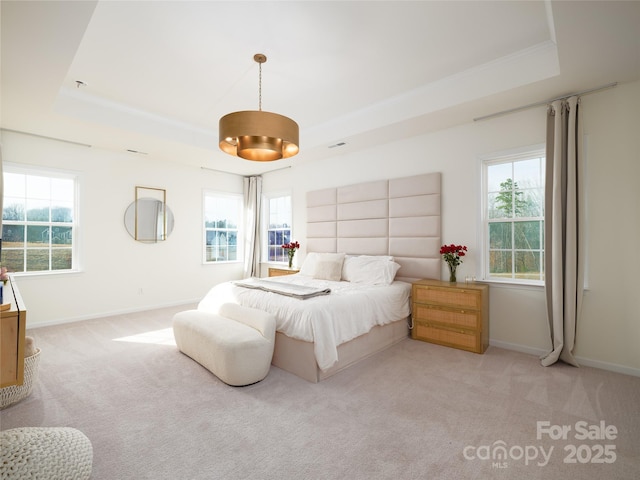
{"x": 398, "y": 217}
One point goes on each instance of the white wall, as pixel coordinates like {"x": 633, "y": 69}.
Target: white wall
{"x": 116, "y": 267}
{"x": 609, "y": 332}
{"x": 610, "y": 327}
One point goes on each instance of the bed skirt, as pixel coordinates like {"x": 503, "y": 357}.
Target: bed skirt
{"x": 297, "y": 356}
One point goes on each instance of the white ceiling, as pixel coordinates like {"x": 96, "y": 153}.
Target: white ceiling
{"x": 159, "y": 75}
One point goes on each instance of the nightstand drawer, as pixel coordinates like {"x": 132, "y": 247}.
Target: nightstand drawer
{"x": 469, "y": 319}
{"x": 448, "y": 296}
{"x": 462, "y": 339}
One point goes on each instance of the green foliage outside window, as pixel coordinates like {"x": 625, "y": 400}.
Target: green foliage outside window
{"x": 515, "y": 221}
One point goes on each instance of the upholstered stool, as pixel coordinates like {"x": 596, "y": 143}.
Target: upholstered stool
{"x": 236, "y": 344}
{"x": 56, "y": 453}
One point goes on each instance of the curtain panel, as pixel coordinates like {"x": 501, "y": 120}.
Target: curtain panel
{"x": 564, "y": 228}
{"x": 252, "y": 207}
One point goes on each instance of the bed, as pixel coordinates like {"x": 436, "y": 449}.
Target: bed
{"x": 365, "y": 244}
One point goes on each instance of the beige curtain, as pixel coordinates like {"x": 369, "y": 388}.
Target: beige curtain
{"x": 564, "y": 225}
{"x": 252, "y": 208}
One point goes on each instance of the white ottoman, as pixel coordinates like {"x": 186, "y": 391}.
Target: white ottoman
{"x": 54, "y": 453}
{"x": 235, "y": 344}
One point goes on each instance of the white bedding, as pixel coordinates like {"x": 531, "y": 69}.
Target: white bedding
{"x": 350, "y": 310}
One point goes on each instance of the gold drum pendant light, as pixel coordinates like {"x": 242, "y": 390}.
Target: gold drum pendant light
{"x": 257, "y": 135}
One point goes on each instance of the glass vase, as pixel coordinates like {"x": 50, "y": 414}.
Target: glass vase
{"x": 452, "y": 273}
{"x": 290, "y": 261}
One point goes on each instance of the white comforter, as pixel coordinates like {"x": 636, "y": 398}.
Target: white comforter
{"x": 350, "y": 310}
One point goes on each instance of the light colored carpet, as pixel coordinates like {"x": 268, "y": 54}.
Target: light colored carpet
{"x": 410, "y": 412}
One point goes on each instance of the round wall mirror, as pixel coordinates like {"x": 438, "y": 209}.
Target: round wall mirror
{"x": 148, "y": 220}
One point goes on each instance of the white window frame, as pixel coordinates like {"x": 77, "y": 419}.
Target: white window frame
{"x": 266, "y": 214}
{"x": 515, "y": 155}
{"x": 211, "y": 194}
{"x": 50, "y": 173}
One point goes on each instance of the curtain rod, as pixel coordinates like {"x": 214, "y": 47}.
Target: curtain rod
{"x": 546, "y": 102}
{"x": 239, "y": 174}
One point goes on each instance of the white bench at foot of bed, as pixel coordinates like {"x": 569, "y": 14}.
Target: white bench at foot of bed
{"x": 235, "y": 344}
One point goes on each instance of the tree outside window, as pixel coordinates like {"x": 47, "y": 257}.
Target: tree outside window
{"x": 515, "y": 218}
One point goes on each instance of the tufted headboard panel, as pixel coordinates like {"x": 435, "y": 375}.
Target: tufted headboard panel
{"x": 398, "y": 217}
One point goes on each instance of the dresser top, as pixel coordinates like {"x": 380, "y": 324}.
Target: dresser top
{"x": 428, "y": 282}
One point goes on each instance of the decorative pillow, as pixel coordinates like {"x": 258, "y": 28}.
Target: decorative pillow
{"x": 329, "y": 266}
{"x": 371, "y": 270}
{"x": 309, "y": 265}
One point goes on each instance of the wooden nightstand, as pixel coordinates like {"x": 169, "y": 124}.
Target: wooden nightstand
{"x": 451, "y": 314}
{"x": 278, "y": 272}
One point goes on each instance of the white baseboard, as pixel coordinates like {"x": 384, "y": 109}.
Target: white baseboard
{"x": 612, "y": 367}
{"x": 587, "y": 362}
{"x": 81, "y": 318}
{"x": 517, "y": 347}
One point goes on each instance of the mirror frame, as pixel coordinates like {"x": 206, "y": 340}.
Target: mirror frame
{"x": 163, "y": 219}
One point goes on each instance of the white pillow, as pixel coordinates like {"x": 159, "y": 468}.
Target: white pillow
{"x": 370, "y": 270}
{"x": 354, "y": 262}
{"x": 308, "y": 267}
{"x": 329, "y": 266}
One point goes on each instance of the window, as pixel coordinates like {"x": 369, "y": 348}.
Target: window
{"x": 514, "y": 217}
{"x": 222, "y": 216}
{"x": 39, "y": 220}
{"x": 278, "y": 215}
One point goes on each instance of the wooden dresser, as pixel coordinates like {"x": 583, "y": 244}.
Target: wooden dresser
{"x": 278, "y": 272}
{"x": 451, "y": 314}
{"x": 13, "y": 325}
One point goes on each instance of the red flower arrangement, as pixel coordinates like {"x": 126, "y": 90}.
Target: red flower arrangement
{"x": 291, "y": 248}
{"x": 452, "y": 254}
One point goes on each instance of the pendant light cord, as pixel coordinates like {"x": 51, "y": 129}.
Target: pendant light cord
{"x": 260, "y": 87}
